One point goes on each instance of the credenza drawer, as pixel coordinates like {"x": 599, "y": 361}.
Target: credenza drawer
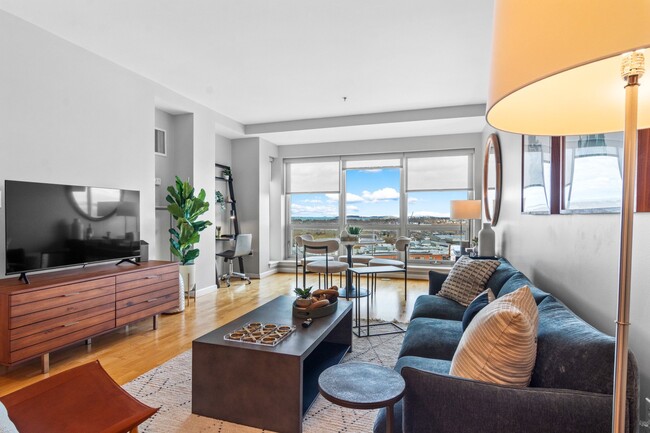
{"x": 45, "y": 342}
{"x": 63, "y": 320}
{"x": 149, "y": 274}
{"x": 136, "y": 287}
{"x": 161, "y": 305}
{"x": 63, "y": 291}
{"x": 48, "y": 308}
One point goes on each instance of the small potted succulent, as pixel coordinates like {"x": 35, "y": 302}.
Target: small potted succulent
{"x": 226, "y": 173}
{"x": 304, "y": 296}
{"x": 351, "y": 234}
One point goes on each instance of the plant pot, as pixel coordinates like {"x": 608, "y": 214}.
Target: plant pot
{"x": 188, "y": 273}
{"x": 181, "y": 297}
{"x": 302, "y": 302}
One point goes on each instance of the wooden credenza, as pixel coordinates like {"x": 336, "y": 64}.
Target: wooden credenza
{"x": 62, "y": 308}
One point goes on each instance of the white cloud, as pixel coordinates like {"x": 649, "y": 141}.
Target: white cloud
{"x": 312, "y": 201}
{"x": 381, "y": 195}
{"x": 332, "y": 198}
{"x": 425, "y": 213}
{"x": 352, "y": 208}
{"x": 353, "y": 198}
{"x": 317, "y": 211}
{"x": 412, "y": 199}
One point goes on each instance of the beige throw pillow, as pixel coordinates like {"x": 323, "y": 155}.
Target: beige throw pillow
{"x": 467, "y": 279}
{"x": 500, "y": 343}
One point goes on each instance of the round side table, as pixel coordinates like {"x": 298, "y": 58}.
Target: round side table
{"x": 363, "y": 386}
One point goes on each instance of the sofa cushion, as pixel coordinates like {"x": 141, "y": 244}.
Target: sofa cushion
{"x": 571, "y": 353}
{"x": 480, "y": 302}
{"x": 467, "y": 279}
{"x": 437, "y": 307}
{"x": 431, "y": 338}
{"x": 517, "y": 281}
{"x": 500, "y": 344}
{"x": 501, "y": 275}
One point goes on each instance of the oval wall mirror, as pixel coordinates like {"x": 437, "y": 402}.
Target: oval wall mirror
{"x": 492, "y": 179}
{"x": 95, "y": 204}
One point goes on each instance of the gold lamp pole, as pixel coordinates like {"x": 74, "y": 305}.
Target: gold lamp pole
{"x": 563, "y": 77}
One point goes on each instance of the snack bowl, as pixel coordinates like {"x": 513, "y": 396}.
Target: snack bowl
{"x": 268, "y": 340}
{"x": 303, "y": 313}
{"x": 235, "y": 335}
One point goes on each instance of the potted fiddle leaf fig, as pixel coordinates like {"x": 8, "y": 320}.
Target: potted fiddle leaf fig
{"x": 186, "y": 208}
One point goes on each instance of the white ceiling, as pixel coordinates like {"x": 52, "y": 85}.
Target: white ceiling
{"x": 261, "y": 61}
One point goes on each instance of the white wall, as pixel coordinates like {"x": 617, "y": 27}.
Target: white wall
{"x": 69, "y": 116}
{"x": 575, "y": 257}
{"x": 252, "y": 177}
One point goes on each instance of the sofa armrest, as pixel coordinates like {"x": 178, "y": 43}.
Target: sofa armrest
{"x": 435, "y": 281}
{"x": 446, "y": 404}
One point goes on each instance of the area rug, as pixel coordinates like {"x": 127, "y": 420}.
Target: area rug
{"x": 169, "y": 387}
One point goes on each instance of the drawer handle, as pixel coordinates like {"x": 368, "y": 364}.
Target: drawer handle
{"x": 70, "y": 324}
{"x": 152, "y": 300}
{"x": 67, "y": 295}
{"x": 151, "y": 277}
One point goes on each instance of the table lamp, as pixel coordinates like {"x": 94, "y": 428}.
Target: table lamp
{"x": 574, "y": 67}
{"x": 465, "y": 210}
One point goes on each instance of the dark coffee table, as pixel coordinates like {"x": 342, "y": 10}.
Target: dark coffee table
{"x": 358, "y": 385}
{"x": 267, "y": 387}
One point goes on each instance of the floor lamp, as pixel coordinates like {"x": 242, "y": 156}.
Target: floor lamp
{"x": 569, "y": 68}
{"x": 465, "y": 210}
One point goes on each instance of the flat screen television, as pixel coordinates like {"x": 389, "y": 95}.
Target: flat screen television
{"x": 52, "y": 226}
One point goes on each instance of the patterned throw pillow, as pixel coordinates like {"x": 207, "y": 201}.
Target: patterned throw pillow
{"x": 467, "y": 279}
{"x": 500, "y": 344}
{"x": 480, "y": 302}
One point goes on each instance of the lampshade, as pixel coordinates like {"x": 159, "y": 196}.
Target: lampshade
{"x": 556, "y": 65}
{"x": 465, "y": 209}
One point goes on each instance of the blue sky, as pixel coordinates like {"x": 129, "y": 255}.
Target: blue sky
{"x": 374, "y": 192}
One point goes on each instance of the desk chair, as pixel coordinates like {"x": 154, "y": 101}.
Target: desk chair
{"x": 243, "y": 247}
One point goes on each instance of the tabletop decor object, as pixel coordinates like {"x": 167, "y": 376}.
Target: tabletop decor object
{"x": 542, "y": 85}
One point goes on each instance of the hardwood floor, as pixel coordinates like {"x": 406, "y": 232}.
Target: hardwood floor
{"x": 129, "y": 352}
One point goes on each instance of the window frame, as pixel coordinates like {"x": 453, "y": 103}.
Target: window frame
{"x": 557, "y": 199}
{"x": 403, "y": 227}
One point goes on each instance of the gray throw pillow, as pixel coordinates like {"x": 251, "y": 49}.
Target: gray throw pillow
{"x": 467, "y": 279}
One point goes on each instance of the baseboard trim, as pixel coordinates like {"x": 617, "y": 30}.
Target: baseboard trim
{"x": 206, "y": 290}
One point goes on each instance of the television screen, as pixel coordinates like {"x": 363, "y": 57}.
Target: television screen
{"x": 49, "y": 225}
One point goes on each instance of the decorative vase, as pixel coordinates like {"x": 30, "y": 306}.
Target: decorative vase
{"x": 181, "y": 297}
{"x": 188, "y": 273}
{"x": 486, "y": 241}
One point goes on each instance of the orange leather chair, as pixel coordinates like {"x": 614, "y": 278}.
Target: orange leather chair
{"x": 84, "y": 399}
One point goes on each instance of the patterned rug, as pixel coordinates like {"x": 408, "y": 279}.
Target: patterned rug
{"x": 170, "y": 388}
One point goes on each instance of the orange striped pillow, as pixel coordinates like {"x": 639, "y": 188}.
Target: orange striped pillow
{"x": 500, "y": 343}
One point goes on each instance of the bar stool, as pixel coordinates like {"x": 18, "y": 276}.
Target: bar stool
{"x": 401, "y": 245}
{"x": 324, "y": 266}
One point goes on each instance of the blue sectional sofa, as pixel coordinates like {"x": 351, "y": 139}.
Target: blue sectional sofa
{"x": 570, "y": 389}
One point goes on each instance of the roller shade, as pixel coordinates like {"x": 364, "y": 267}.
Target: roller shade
{"x": 437, "y": 173}
{"x": 313, "y": 177}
